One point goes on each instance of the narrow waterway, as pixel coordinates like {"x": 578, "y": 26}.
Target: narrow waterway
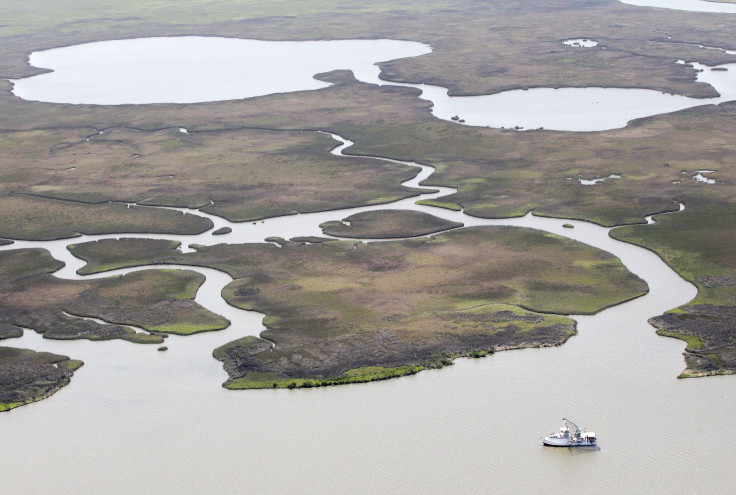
{"x": 565, "y": 109}
{"x": 135, "y": 420}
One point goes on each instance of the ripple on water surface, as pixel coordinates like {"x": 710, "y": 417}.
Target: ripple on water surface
{"x": 472, "y": 427}
{"x": 484, "y": 416}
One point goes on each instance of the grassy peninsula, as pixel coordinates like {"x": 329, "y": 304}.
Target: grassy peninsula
{"x": 71, "y": 169}
{"x": 698, "y": 243}
{"x": 388, "y": 224}
{"x": 345, "y": 311}
{"x": 28, "y": 376}
{"x": 158, "y": 301}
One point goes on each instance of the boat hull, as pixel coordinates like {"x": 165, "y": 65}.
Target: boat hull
{"x": 555, "y": 442}
{"x": 564, "y": 442}
{"x": 566, "y": 438}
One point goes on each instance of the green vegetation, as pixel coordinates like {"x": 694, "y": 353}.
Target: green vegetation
{"x": 439, "y": 204}
{"x": 505, "y": 173}
{"x": 361, "y": 375}
{"x": 387, "y": 224}
{"x": 168, "y": 293}
{"x": 309, "y": 240}
{"x": 156, "y": 300}
{"x": 50, "y": 140}
{"x": 710, "y": 336}
{"x": 27, "y": 376}
{"x": 8, "y": 331}
{"x": 142, "y": 338}
{"x": 639, "y": 52}
{"x": 58, "y": 218}
{"x": 252, "y": 159}
{"x": 336, "y": 306}
{"x": 18, "y": 264}
{"x": 70, "y": 364}
{"x": 499, "y": 173}
{"x": 69, "y": 190}
{"x": 698, "y": 244}
{"x": 108, "y": 253}
{"x": 693, "y": 342}
{"x": 10, "y": 405}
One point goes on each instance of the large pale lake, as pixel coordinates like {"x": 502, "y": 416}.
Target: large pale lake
{"x": 193, "y": 69}
{"x": 689, "y": 5}
{"x": 135, "y": 420}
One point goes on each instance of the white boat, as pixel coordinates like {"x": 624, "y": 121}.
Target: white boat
{"x": 570, "y": 436}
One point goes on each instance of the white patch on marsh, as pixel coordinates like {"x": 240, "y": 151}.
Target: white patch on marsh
{"x": 581, "y": 43}
{"x": 699, "y": 177}
{"x": 593, "y": 182}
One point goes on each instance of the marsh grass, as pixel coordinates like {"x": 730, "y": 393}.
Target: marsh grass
{"x": 156, "y": 300}
{"x": 336, "y": 306}
{"x": 109, "y": 254}
{"x": 386, "y": 224}
{"x": 27, "y": 376}
{"x": 693, "y": 343}
{"x": 499, "y": 173}
{"x": 255, "y": 380}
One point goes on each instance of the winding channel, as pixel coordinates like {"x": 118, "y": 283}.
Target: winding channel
{"x": 307, "y": 224}
{"x": 175, "y": 399}
{"x": 192, "y": 69}
{"x": 134, "y": 420}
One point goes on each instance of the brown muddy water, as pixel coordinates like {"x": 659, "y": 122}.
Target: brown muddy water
{"x": 135, "y": 420}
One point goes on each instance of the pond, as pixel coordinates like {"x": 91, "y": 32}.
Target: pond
{"x": 136, "y": 420}
{"x": 191, "y": 69}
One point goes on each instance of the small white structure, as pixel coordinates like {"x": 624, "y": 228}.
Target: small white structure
{"x": 570, "y": 436}
{"x": 581, "y": 43}
{"x": 699, "y": 177}
{"x": 593, "y": 182}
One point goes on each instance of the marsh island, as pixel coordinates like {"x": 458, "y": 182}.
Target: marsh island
{"x": 367, "y": 217}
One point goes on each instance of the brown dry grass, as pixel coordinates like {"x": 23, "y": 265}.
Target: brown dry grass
{"x": 160, "y": 300}
{"x": 345, "y": 304}
{"x": 387, "y": 224}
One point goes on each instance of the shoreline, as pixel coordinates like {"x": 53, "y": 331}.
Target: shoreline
{"x": 423, "y": 173}
{"x": 33, "y": 71}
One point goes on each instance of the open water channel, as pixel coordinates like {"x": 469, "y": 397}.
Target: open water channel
{"x": 191, "y": 69}
{"x": 135, "y": 420}
{"x": 689, "y": 5}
